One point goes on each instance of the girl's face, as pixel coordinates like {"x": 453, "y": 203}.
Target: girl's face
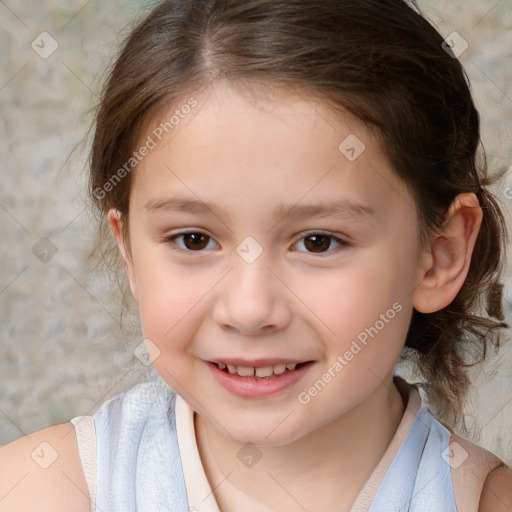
{"x": 302, "y": 248}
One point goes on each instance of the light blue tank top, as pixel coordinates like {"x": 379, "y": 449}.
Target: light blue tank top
{"x": 139, "y": 466}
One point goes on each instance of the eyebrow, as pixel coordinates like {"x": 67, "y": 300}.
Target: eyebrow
{"x": 339, "y": 208}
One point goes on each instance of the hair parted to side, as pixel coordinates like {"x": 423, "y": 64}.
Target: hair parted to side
{"x": 379, "y": 60}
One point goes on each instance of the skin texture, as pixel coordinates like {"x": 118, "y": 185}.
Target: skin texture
{"x": 28, "y": 484}
{"x": 250, "y": 158}
{"x": 497, "y": 491}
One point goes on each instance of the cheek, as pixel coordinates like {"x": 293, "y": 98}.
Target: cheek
{"x": 364, "y": 322}
{"x": 365, "y": 301}
{"x": 164, "y": 304}
{"x": 170, "y": 299}
{"x": 348, "y": 296}
{"x": 167, "y": 305}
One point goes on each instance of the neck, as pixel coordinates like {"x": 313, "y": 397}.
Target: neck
{"x": 341, "y": 456}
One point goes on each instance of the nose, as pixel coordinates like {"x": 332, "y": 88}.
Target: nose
{"x": 252, "y": 300}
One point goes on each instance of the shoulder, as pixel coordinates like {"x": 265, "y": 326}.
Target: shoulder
{"x": 497, "y": 491}
{"x": 42, "y": 471}
{"x": 479, "y": 477}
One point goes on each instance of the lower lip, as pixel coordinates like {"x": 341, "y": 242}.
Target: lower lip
{"x": 252, "y": 387}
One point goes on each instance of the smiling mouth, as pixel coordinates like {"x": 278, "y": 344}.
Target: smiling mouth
{"x": 263, "y": 372}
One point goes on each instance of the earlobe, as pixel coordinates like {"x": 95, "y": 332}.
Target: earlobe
{"x": 115, "y": 223}
{"x": 449, "y": 256}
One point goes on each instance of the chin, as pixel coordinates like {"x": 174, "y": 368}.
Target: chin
{"x": 264, "y": 433}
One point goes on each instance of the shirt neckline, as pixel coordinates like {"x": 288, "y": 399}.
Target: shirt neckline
{"x": 199, "y": 492}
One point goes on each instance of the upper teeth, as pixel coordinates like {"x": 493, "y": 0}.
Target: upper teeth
{"x": 264, "y": 371}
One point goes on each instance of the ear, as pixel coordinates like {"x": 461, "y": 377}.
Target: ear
{"x": 446, "y": 262}
{"x": 115, "y": 223}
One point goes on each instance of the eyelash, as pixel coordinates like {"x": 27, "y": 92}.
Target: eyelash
{"x": 343, "y": 244}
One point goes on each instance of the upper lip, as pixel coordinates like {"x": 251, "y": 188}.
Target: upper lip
{"x": 257, "y": 363}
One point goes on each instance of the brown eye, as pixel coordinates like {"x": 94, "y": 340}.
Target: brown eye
{"x": 317, "y": 243}
{"x": 321, "y": 243}
{"x": 195, "y": 240}
{"x": 192, "y": 242}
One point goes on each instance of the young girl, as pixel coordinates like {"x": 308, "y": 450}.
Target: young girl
{"x": 294, "y": 190}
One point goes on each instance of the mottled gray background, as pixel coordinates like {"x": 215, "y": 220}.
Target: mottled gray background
{"x": 63, "y": 350}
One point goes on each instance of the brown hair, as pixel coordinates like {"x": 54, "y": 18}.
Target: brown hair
{"x": 380, "y": 60}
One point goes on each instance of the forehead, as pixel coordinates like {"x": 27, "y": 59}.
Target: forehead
{"x": 267, "y": 148}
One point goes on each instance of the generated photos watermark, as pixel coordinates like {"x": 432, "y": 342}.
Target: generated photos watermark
{"x": 304, "y": 397}
{"x": 150, "y": 143}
